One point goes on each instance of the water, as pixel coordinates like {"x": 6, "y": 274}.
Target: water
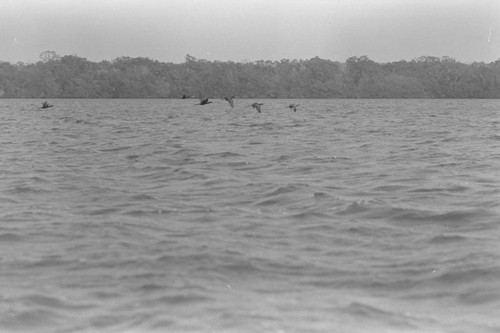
{"x": 163, "y": 216}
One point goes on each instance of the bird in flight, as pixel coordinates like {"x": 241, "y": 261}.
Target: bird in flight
{"x": 257, "y": 106}
{"x": 46, "y": 105}
{"x": 204, "y": 102}
{"x": 230, "y": 100}
{"x": 294, "y": 107}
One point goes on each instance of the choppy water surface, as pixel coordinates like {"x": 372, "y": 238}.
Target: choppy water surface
{"x": 163, "y": 216}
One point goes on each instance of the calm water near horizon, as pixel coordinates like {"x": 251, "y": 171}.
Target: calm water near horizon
{"x": 346, "y": 216}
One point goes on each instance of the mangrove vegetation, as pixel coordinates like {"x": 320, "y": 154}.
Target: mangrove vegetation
{"x": 71, "y": 76}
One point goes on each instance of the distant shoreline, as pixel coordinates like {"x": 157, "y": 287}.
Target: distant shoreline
{"x": 426, "y": 77}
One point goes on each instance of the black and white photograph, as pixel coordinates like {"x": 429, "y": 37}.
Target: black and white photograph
{"x": 249, "y": 166}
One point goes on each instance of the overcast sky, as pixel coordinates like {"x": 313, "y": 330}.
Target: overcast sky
{"x": 248, "y": 30}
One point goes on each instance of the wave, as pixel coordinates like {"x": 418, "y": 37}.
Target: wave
{"x": 413, "y": 216}
{"x": 447, "y": 239}
{"x": 388, "y": 320}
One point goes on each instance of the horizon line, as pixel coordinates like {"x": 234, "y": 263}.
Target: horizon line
{"x": 248, "y": 60}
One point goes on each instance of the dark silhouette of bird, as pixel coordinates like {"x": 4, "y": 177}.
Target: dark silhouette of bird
{"x": 257, "y": 106}
{"x": 294, "y": 107}
{"x": 204, "y": 102}
{"x": 46, "y": 105}
{"x": 230, "y": 100}
{"x": 184, "y": 96}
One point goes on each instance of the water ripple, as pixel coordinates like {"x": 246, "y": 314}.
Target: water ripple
{"x": 350, "y": 215}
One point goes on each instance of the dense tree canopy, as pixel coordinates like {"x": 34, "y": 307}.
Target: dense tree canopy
{"x": 70, "y": 76}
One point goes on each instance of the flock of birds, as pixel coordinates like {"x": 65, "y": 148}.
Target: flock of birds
{"x": 230, "y": 100}
{"x": 205, "y": 101}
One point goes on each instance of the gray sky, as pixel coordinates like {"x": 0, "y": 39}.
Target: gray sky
{"x": 241, "y": 30}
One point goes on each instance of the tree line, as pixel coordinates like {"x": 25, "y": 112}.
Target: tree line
{"x": 71, "y": 76}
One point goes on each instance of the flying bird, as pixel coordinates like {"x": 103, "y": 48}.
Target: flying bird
{"x": 294, "y": 107}
{"x": 257, "y": 106}
{"x": 46, "y": 105}
{"x": 204, "y": 102}
{"x": 230, "y": 100}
